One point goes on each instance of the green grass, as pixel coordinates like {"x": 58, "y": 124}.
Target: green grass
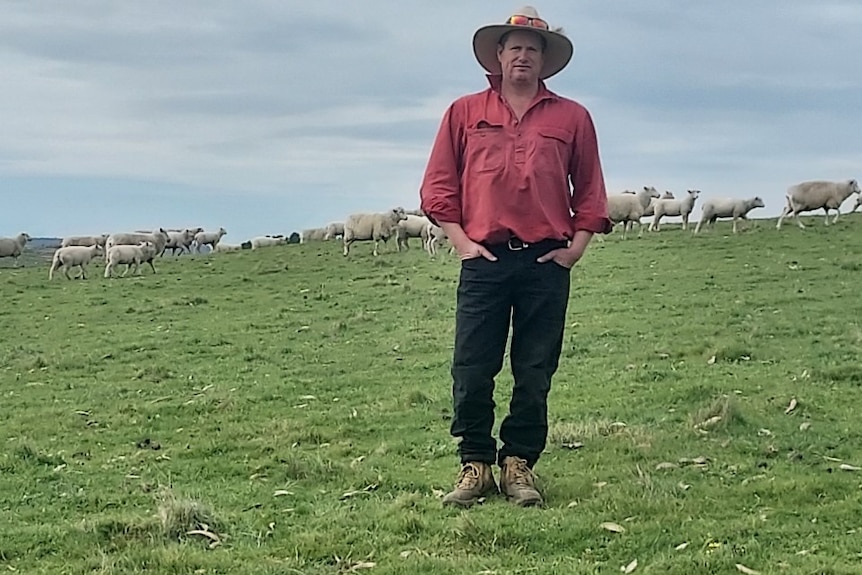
{"x": 290, "y": 408}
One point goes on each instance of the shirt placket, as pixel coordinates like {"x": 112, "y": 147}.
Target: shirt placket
{"x": 520, "y": 143}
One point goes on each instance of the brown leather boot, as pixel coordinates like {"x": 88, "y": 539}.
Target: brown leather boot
{"x": 474, "y": 481}
{"x": 518, "y": 483}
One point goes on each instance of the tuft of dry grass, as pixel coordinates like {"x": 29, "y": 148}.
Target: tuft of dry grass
{"x": 179, "y": 515}
{"x": 567, "y": 433}
{"x": 720, "y": 413}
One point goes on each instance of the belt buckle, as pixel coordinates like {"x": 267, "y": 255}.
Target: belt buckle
{"x": 516, "y": 244}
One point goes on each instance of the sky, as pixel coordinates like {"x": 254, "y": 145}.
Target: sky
{"x": 268, "y": 116}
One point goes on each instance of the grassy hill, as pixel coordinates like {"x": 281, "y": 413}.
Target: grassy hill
{"x": 287, "y": 410}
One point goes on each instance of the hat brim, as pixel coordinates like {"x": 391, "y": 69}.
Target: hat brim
{"x": 558, "y": 49}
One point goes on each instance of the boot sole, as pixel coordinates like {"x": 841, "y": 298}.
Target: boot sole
{"x": 469, "y": 502}
{"x": 526, "y": 502}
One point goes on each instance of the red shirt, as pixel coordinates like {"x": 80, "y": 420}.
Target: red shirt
{"x": 499, "y": 177}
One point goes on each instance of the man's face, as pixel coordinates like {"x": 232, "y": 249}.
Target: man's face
{"x": 521, "y": 57}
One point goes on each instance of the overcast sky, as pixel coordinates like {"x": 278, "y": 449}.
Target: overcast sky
{"x": 268, "y": 116}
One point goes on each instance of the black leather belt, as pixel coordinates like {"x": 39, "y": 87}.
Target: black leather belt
{"x": 516, "y": 244}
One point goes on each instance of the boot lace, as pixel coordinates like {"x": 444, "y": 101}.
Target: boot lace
{"x": 520, "y": 473}
{"x": 469, "y": 476}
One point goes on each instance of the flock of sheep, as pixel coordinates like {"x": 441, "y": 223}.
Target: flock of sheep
{"x": 137, "y": 248}
{"x": 626, "y": 208}
{"x": 629, "y": 207}
{"x": 130, "y": 249}
{"x": 396, "y": 223}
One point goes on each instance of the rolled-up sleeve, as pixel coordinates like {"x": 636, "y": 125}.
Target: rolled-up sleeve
{"x": 589, "y": 197}
{"x": 440, "y": 194}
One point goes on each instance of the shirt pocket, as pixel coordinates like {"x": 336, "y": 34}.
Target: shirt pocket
{"x": 556, "y": 143}
{"x": 486, "y": 148}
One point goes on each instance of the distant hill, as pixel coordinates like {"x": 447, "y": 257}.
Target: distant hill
{"x": 44, "y": 243}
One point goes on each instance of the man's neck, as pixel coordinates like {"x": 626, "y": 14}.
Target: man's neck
{"x": 514, "y": 92}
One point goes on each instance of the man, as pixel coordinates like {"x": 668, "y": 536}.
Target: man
{"x": 497, "y": 182}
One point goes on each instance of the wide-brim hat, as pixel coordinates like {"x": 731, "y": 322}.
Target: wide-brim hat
{"x": 558, "y": 48}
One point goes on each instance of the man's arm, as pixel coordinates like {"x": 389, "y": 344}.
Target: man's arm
{"x": 440, "y": 193}
{"x": 589, "y": 201}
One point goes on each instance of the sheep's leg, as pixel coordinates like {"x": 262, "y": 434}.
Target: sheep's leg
{"x": 83, "y": 271}
{"x": 837, "y": 213}
{"x": 54, "y": 267}
{"x": 108, "y": 270}
{"x": 798, "y": 221}
{"x": 375, "y": 252}
{"x": 784, "y": 212}
{"x": 346, "y": 246}
{"x": 66, "y": 272}
{"x": 685, "y": 222}
{"x": 152, "y": 266}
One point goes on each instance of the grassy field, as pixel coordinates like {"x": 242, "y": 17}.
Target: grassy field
{"x": 286, "y": 412}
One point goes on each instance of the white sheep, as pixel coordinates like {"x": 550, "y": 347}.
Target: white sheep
{"x": 366, "y": 227}
{"x": 628, "y": 207}
{"x": 209, "y": 239}
{"x": 409, "y": 228}
{"x": 682, "y": 207}
{"x": 334, "y": 231}
{"x": 69, "y": 256}
{"x": 12, "y": 247}
{"x": 84, "y": 241}
{"x": 432, "y": 236}
{"x": 181, "y": 240}
{"x": 650, "y": 209}
{"x": 159, "y": 239}
{"x": 267, "y": 241}
{"x": 223, "y": 247}
{"x": 130, "y": 255}
{"x": 813, "y": 195}
{"x": 314, "y": 235}
{"x": 736, "y": 208}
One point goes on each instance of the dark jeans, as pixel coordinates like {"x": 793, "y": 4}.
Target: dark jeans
{"x": 534, "y": 296}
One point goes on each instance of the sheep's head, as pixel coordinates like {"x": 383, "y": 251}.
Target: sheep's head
{"x": 693, "y": 194}
{"x": 26, "y": 236}
{"x": 854, "y": 187}
{"x": 667, "y": 195}
{"x": 758, "y": 202}
{"x": 400, "y": 213}
{"x": 651, "y": 192}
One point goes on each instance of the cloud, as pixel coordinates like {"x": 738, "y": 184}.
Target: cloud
{"x": 314, "y": 110}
